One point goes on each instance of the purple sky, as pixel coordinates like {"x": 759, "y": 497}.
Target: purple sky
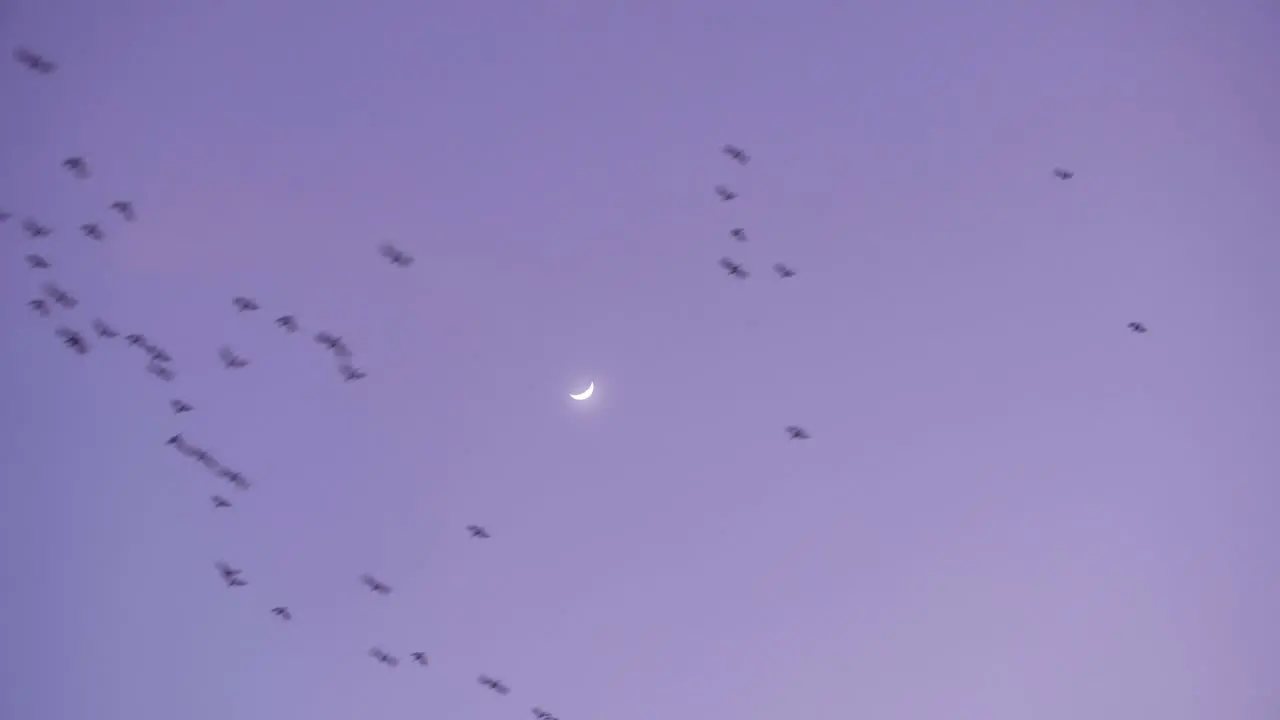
{"x": 1011, "y": 507}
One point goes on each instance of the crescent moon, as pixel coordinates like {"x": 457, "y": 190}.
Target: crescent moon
{"x": 585, "y": 393}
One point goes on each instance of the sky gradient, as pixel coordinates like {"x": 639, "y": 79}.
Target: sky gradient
{"x": 1011, "y": 507}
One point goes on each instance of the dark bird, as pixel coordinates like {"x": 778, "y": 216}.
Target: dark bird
{"x": 125, "y": 208}
{"x": 230, "y": 359}
{"x": 543, "y": 714}
{"x": 34, "y": 61}
{"x": 220, "y": 502}
{"x": 383, "y": 657}
{"x": 375, "y": 585}
{"x": 35, "y": 229}
{"x": 478, "y": 532}
{"x": 73, "y": 340}
{"x": 161, "y": 371}
{"x": 334, "y": 343}
{"x": 783, "y": 271}
{"x": 495, "y": 685}
{"x": 37, "y": 262}
{"x": 60, "y": 296}
{"x": 282, "y": 612}
{"x": 135, "y": 339}
{"x": 235, "y": 478}
{"x": 419, "y": 657}
{"x": 180, "y": 407}
{"x": 104, "y": 330}
{"x": 738, "y": 234}
{"x": 797, "y": 433}
{"x": 735, "y": 269}
{"x": 244, "y": 304}
{"x": 725, "y": 193}
{"x": 1137, "y": 327}
{"x": 230, "y": 575}
{"x": 288, "y": 322}
{"x": 77, "y": 166}
{"x": 40, "y": 306}
{"x": 92, "y": 231}
{"x": 208, "y": 460}
{"x": 737, "y": 153}
{"x": 177, "y": 441}
{"x": 158, "y": 354}
{"x": 350, "y": 373}
{"x": 397, "y": 257}
{"x": 1063, "y": 174}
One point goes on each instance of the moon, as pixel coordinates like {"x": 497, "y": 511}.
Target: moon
{"x": 585, "y": 393}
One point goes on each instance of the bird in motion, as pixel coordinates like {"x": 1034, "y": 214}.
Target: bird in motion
{"x": 375, "y": 585}
{"x": 1137, "y": 327}
{"x": 244, "y": 304}
{"x": 350, "y": 373}
{"x": 220, "y": 502}
{"x": 40, "y": 305}
{"x": 737, "y": 153}
{"x": 419, "y": 657}
{"x": 725, "y": 193}
{"x": 397, "y": 256}
{"x": 35, "y": 229}
{"x": 135, "y": 339}
{"x": 158, "y": 354}
{"x": 180, "y": 407}
{"x": 288, "y": 322}
{"x": 735, "y": 269}
{"x": 60, "y": 296}
{"x": 478, "y": 532}
{"x": 334, "y": 343}
{"x": 230, "y": 359}
{"x": 125, "y": 208}
{"x": 34, "y": 61}
{"x": 543, "y": 714}
{"x": 235, "y": 478}
{"x": 37, "y": 262}
{"x": 282, "y": 612}
{"x": 383, "y": 657}
{"x": 738, "y": 234}
{"x": 495, "y": 685}
{"x": 783, "y": 271}
{"x": 797, "y": 433}
{"x": 230, "y": 575}
{"x": 160, "y": 370}
{"x": 104, "y": 330}
{"x": 1063, "y": 174}
{"x": 92, "y": 231}
{"x": 77, "y": 165}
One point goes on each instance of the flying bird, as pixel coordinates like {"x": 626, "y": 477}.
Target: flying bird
{"x": 1137, "y": 327}
{"x": 135, "y": 339}
{"x": 235, "y": 478}
{"x": 783, "y": 271}
{"x": 37, "y": 262}
{"x": 230, "y": 359}
{"x": 92, "y": 231}
{"x": 103, "y": 330}
{"x": 738, "y": 234}
{"x": 160, "y": 371}
{"x": 288, "y": 322}
{"x": 77, "y": 166}
{"x": 543, "y": 714}
{"x": 383, "y": 657}
{"x": 735, "y": 269}
{"x": 158, "y": 354}
{"x": 34, "y": 61}
{"x": 737, "y": 153}
{"x": 350, "y": 373}
{"x": 419, "y": 657}
{"x": 375, "y": 585}
{"x": 244, "y": 304}
{"x": 60, "y": 296}
{"x": 35, "y": 229}
{"x": 1063, "y": 174}
{"x": 73, "y": 340}
{"x": 397, "y": 257}
{"x": 334, "y": 343}
{"x": 494, "y": 685}
{"x": 478, "y": 532}
{"x": 725, "y": 193}
{"x": 40, "y": 306}
{"x": 176, "y": 440}
{"x": 797, "y": 433}
{"x": 230, "y": 575}
{"x": 220, "y": 502}
{"x": 180, "y": 407}
{"x": 282, "y": 612}
{"x": 125, "y": 208}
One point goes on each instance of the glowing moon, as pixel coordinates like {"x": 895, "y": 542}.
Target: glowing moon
{"x": 585, "y": 393}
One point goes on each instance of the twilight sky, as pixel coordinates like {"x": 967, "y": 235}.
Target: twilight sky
{"x": 1011, "y": 507}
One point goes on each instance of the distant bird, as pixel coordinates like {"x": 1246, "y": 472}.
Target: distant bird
{"x": 135, "y": 339}
{"x": 40, "y": 306}
{"x": 180, "y": 407}
{"x": 230, "y": 575}
{"x": 495, "y": 685}
{"x": 287, "y": 322}
{"x": 783, "y": 271}
{"x": 334, "y": 343}
{"x": 725, "y": 193}
{"x": 37, "y": 262}
{"x": 1137, "y": 327}
{"x": 383, "y": 657}
{"x": 737, "y": 153}
{"x": 282, "y": 612}
{"x": 92, "y": 231}
{"x": 104, "y": 330}
{"x": 797, "y": 433}
{"x": 235, "y": 478}
{"x": 60, "y": 296}
{"x": 738, "y": 234}
{"x": 397, "y": 257}
{"x": 735, "y": 269}
{"x": 207, "y": 460}
{"x": 419, "y": 657}
{"x": 73, "y": 340}
{"x": 230, "y": 359}
{"x": 478, "y": 532}
{"x": 1063, "y": 174}
{"x": 35, "y": 229}
{"x": 543, "y": 714}
{"x": 77, "y": 166}
{"x": 177, "y": 441}
{"x": 125, "y": 208}
{"x": 160, "y": 371}
{"x": 375, "y": 585}
{"x": 158, "y": 354}
{"x": 220, "y": 502}
{"x": 244, "y": 304}
{"x": 34, "y": 61}
{"x": 4, "y": 216}
{"x": 350, "y": 373}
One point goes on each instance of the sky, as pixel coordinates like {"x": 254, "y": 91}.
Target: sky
{"x": 1011, "y": 507}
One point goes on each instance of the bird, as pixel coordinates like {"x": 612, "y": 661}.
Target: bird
{"x": 235, "y": 478}
{"x": 220, "y": 502}
{"x": 419, "y": 657}
{"x": 783, "y": 271}
{"x": 230, "y": 359}
{"x": 725, "y": 193}
{"x": 244, "y": 304}
{"x": 37, "y": 262}
{"x": 737, "y": 153}
{"x": 334, "y": 343}
{"x": 60, "y": 296}
{"x": 735, "y": 269}
{"x": 125, "y": 208}
{"x": 495, "y": 685}
{"x": 797, "y": 433}
{"x": 104, "y": 330}
{"x": 478, "y": 532}
{"x": 39, "y": 305}
{"x": 77, "y": 166}
{"x": 383, "y": 657}
{"x": 1063, "y": 174}
{"x": 282, "y": 612}
{"x": 180, "y": 407}
{"x": 92, "y": 231}
{"x": 1137, "y": 327}
{"x": 230, "y": 575}
{"x": 158, "y": 354}
{"x": 73, "y": 340}
{"x": 35, "y": 229}
{"x": 350, "y": 373}
{"x": 160, "y": 371}
{"x": 738, "y": 234}
{"x": 543, "y": 714}
{"x": 397, "y": 257}
{"x": 34, "y": 61}
{"x": 288, "y": 322}
{"x": 135, "y": 339}
{"x": 177, "y": 441}
{"x": 375, "y": 585}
